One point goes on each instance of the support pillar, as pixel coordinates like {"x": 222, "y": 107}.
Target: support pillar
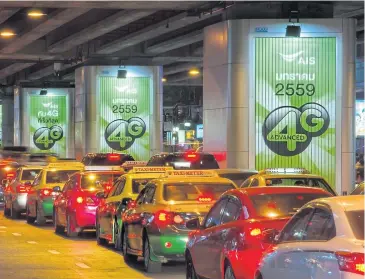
{"x": 8, "y": 118}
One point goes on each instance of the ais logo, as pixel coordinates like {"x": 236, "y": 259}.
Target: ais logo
{"x": 121, "y": 134}
{"x": 45, "y": 138}
{"x": 288, "y": 131}
{"x": 298, "y": 56}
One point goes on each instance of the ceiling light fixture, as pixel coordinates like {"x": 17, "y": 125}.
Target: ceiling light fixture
{"x": 122, "y": 74}
{"x": 36, "y": 14}
{"x": 194, "y": 72}
{"x": 7, "y": 34}
{"x": 164, "y": 79}
{"x": 293, "y": 30}
{"x": 43, "y": 92}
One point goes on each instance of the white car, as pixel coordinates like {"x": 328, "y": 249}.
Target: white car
{"x": 324, "y": 240}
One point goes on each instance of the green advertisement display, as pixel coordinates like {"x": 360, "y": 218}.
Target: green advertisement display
{"x": 295, "y": 97}
{"x": 124, "y": 116}
{"x": 48, "y": 124}
{"x": 1, "y": 125}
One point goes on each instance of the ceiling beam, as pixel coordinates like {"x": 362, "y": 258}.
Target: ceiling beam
{"x": 6, "y": 13}
{"x": 102, "y": 27}
{"x": 178, "y": 42}
{"x": 169, "y": 25}
{"x": 163, "y": 60}
{"x": 14, "y": 68}
{"x": 42, "y": 29}
{"x": 353, "y": 13}
{"x": 360, "y": 25}
{"x": 169, "y": 70}
{"x": 125, "y": 5}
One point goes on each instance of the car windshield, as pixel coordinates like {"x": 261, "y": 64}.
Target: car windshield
{"x": 205, "y": 161}
{"x": 138, "y": 184}
{"x": 281, "y": 205}
{"x": 237, "y": 178}
{"x": 299, "y": 181}
{"x": 59, "y": 176}
{"x": 356, "y": 220}
{"x": 359, "y": 190}
{"x": 193, "y": 191}
{"x": 99, "y": 180}
{"x": 30, "y": 174}
{"x": 107, "y": 160}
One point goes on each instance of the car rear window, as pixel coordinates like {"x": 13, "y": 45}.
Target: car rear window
{"x": 281, "y": 205}
{"x": 193, "y": 191}
{"x": 359, "y": 190}
{"x": 299, "y": 181}
{"x": 237, "y": 178}
{"x": 59, "y": 176}
{"x": 99, "y": 180}
{"x": 30, "y": 174}
{"x": 107, "y": 160}
{"x": 356, "y": 220}
{"x": 138, "y": 184}
{"x": 205, "y": 161}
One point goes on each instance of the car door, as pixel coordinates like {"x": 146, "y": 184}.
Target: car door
{"x": 112, "y": 206}
{"x": 205, "y": 240}
{"x": 288, "y": 261}
{"x": 60, "y": 205}
{"x": 32, "y": 194}
{"x": 69, "y": 195}
{"x": 103, "y": 208}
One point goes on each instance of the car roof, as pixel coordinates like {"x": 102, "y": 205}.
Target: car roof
{"x": 208, "y": 180}
{"x": 144, "y": 175}
{"x": 282, "y": 190}
{"x": 223, "y": 171}
{"x": 102, "y": 172}
{"x": 299, "y": 175}
{"x": 347, "y": 203}
{"x": 32, "y": 167}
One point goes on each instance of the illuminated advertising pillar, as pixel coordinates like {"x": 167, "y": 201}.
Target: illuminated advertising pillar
{"x": 122, "y": 115}
{"x": 282, "y": 102}
{"x": 46, "y": 121}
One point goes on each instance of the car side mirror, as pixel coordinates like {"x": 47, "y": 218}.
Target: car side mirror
{"x": 193, "y": 224}
{"x": 126, "y": 201}
{"x": 100, "y": 195}
{"x": 270, "y": 236}
{"x": 56, "y": 189}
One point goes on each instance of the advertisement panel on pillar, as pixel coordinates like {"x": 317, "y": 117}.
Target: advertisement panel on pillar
{"x": 48, "y": 124}
{"x": 124, "y": 116}
{"x": 295, "y": 81}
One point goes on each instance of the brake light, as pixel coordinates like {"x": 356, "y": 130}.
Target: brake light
{"x": 351, "y": 262}
{"x": 164, "y": 218}
{"x": 191, "y": 156}
{"x": 22, "y": 189}
{"x": 83, "y": 200}
{"x": 113, "y": 157}
{"x": 255, "y": 232}
{"x": 79, "y": 200}
{"x": 205, "y": 199}
{"x": 46, "y": 192}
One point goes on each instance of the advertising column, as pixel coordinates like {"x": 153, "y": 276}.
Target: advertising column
{"x": 125, "y": 116}
{"x": 48, "y": 124}
{"x": 295, "y": 96}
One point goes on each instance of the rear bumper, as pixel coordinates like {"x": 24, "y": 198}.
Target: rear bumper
{"x": 86, "y": 217}
{"x": 19, "y": 201}
{"x": 168, "y": 247}
{"x": 47, "y": 206}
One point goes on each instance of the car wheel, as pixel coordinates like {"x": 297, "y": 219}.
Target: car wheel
{"x": 14, "y": 214}
{"x": 117, "y": 237}
{"x": 69, "y": 231}
{"x": 30, "y": 220}
{"x": 150, "y": 266}
{"x": 40, "y": 219}
{"x": 99, "y": 240}
{"x": 190, "y": 270}
{"x": 6, "y": 210}
{"x": 57, "y": 228}
{"x": 228, "y": 274}
{"x": 127, "y": 257}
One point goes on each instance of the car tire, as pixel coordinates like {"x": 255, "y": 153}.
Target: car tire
{"x": 39, "y": 218}
{"x": 228, "y": 273}
{"x": 127, "y": 257}
{"x": 30, "y": 219}
{"x": 6, "y": 211}
{"x": 57, "y": 228}
{"x": 190, "y": 270}
{"x": 69, "y": 232}
{"x": 117, "y": 237}
{"x": 99, "y": 240}
{"x": 14, "y": 214}
{"x": 149, "y": 265}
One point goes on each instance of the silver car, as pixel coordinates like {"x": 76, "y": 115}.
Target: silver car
{"x": 16, "y": 192}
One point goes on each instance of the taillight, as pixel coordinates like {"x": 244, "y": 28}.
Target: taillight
{"x": 351, "y": 262}
{"x": 83, "y": 200}
{"x": 79, "y": 199}
{"x": 255, "y": 232}
{"x": 22, "y": 189}
{"x": 205, "y": 199}
{"x": 46, "y": 192}
{"x": 168, "y": 218}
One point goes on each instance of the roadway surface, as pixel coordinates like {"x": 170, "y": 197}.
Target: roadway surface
{"x": 31, "y": 252}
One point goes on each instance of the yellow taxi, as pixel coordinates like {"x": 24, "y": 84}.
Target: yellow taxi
{"x": 45, "y": 187}
{"x": 125, "y": 189}
{"x": 287, "y": 177}
{"x": 154, "y": 226}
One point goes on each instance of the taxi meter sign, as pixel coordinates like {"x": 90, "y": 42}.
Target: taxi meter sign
{"x": 66, "y": 165}
{"x": 151, "y": 169}
{"x": 134, "y": 163}
{"x": 196, "y": 173}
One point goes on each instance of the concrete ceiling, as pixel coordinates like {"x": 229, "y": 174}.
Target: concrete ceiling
{"x": 130, "y": 33}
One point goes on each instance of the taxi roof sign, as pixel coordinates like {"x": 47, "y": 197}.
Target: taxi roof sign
{"x": 286, "y": 170}
{"x": 191, "y": 173}
{"x": 134, "y": 163}
{"x": 66, "y": 165}
{"x": 151, "y": 169}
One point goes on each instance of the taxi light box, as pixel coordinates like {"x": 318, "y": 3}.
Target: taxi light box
{"x": 295, "y": 97}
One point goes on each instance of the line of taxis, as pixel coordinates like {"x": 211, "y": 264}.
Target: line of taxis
{"x": 276, "y": 223}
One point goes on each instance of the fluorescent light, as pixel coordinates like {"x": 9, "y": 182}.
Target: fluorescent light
{"x": 7, "y": 34}
{"x": 194, "y": 72}
{"x": 187, "y": 124}
{"x": 36, "y": 14}
{"x": 163, "y": 79}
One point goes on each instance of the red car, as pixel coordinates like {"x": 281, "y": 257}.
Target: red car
{"x": 228, "y": 244}
{"x": 75, "y": 207}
